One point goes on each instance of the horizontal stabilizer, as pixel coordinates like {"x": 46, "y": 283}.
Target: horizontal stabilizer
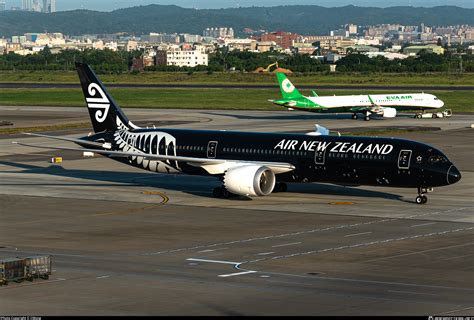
{"x": 78, "y": 141}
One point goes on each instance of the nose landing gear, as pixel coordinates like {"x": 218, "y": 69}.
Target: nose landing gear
{"x": 422, "y": 199}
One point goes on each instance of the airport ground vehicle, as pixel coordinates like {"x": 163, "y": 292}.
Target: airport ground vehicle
{"x": 29, "y": 268}
{"x": 441, "y": 114}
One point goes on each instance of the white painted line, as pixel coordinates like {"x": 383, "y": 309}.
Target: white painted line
{"x": 423, "y": 224}
{"x": 357, "y": 234}
{"x": 452, "y": 311}
{"x": 264, "y": 276}
{"x": 102, "y": 277}
{"x": 286, "y": 244}
{"x": 264, "y": 253}
{"x": 213, "y": 261}
{"x": 212, "y": 250}
{"x": 236, "y": 274}
{"x": 410, "y": 292}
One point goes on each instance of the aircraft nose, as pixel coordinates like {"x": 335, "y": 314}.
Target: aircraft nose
{"x": 453, "y": 175}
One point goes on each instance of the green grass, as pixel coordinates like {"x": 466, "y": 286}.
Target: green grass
{"x": 375, "y": 79}
{"x": 251, "y": 99}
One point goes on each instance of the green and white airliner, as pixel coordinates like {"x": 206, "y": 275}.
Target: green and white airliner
{"x": 385, "y": 105}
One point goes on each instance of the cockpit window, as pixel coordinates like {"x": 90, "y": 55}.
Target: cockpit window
{"x": 437, "y": 159}
{"x": 436, "y": 98}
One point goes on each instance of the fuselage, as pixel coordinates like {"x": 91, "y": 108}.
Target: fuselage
{"x": 403, "y": 101}
{"x": 330, "y": 159}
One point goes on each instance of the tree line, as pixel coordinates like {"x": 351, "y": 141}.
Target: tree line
{"x": 108, "y": 61}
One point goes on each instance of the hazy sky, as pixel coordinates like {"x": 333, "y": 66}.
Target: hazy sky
{"x": 109, "y": 5}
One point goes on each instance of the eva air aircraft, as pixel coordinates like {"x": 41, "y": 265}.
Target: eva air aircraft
{"x": 385, "y": 105}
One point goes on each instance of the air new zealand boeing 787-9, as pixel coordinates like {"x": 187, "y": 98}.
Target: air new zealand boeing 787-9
{"x": 257, "y": 164}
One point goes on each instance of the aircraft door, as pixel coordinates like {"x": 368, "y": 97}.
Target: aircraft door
{"x": 404, "y": 159}
{"x": 319, "y": 157}
{"x": 212, "y": 149}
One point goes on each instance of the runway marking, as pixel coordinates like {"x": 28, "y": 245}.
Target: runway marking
{"x": 164, "y": 197}
{"x": 364, "y": 244}
{"x": 410, "y": 292}
{"x": 451, "y": 311}
{"x": 212, "y": 250}
{"x": 297, "y": 233}
{"x": 357, "y": 234}
{"x": 368, "y": 281}
{"x": 102, "y": 277}
{"x": 264, "y": 253}
{"x": 236, "y": 274}
{"x": 286, "y": 244}
{"x": 422, "y": 225}
{"x": 213, "y": 261}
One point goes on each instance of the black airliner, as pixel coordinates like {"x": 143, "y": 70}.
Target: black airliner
{"x": 257, "y": 164}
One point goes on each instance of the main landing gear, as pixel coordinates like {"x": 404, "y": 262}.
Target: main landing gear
{"x": 422, "y": 199}
{"x": 366, "y": 116}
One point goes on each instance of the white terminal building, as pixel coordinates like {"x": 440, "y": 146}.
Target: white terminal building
{"x": 183, "y": 56}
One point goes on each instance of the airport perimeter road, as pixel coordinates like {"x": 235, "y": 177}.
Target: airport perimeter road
{"x": 128, "y": 242}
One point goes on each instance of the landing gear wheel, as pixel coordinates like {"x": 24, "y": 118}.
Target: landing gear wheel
{"x": 367, "y": 118}
{"x": 434, "y": 116}
{"x": 418, "y": 116}
{"x": 354, "y": 116}
{"x": 422, "y": 199}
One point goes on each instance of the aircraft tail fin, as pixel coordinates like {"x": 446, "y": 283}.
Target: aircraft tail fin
{"x": 288, "y": 90}
{"x": 105, "y": 113}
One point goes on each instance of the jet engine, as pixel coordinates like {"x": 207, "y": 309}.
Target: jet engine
{"x": 250, "y": 180}
{"x": 389, "y": 112}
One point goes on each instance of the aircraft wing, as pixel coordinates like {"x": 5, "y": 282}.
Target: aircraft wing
{"x": 213, "y": 166}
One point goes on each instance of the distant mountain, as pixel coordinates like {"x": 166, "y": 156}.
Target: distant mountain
{"x": 159, "y": 18}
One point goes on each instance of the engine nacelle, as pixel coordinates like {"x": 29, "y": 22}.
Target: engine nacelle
{"x": 389, "y": 112}
{"x": 250, "y": 180}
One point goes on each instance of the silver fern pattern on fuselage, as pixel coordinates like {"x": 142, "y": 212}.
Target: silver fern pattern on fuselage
{"x": 153, "y": 142}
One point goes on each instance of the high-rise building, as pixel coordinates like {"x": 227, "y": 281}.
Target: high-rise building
{"x": 26, "y": 5}
{"x": 49, "y": 6}
{"x": 3, "y": 5}
{"x": 31, "y": 5}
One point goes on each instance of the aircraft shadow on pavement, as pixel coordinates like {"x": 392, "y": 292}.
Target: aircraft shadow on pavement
{"x": 195, "y": 185}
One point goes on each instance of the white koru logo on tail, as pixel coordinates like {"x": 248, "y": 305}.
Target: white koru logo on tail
{"x": 287, "y": 86}
{"x": 102, "y": 103}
